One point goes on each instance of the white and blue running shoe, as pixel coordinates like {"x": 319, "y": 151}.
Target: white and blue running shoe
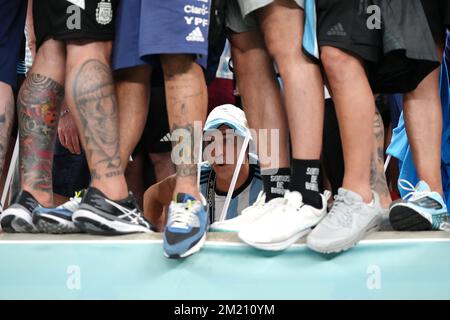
{"x": 421, "y": 209}
{"x": 185, "y": 231}
{"x": 58, "y": 220}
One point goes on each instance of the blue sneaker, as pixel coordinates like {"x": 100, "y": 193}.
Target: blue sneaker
{"x": 58, "y": 220}
{"x": 421, "y": 209}
{"x": 185, "y": 231}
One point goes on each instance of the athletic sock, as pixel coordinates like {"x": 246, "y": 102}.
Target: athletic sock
{"x": 275, "y": 185}
{"x": 305, "y": 179}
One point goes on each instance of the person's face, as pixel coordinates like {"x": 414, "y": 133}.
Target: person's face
{"x": 225, "y": 147}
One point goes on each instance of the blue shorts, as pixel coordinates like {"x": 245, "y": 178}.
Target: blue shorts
{"x": 147, "y": 28}
{"x": 12, "y": 24}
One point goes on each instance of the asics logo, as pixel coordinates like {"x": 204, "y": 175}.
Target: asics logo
{"x": 428, "y": 203}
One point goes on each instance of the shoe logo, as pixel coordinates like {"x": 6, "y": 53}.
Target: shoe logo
{"x": 428, "y": 203}
{"x": 166, "y": 138}
{"x": 133, "y": 216}
{"x": 80, "y": 3}
{"x": 196, "y": 35}
{"x": 104, "y": 12}
{"x": 337, "y": 30}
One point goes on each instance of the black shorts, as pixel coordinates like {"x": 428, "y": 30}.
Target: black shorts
{"x": 397, "y": 56}
{"x": 157, "y": 132}
{"x": 62, "y": 20}
{"x": 343, "y": 24}
{"x": 156, "y": 135}
{"x": 438, "y": 15}
{"x": 70, "y": 171}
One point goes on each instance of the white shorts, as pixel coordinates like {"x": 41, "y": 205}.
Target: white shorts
{"x": 239, "y": 13}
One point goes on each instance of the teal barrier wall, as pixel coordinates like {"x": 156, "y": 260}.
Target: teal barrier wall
{"x": 138, "y": 270}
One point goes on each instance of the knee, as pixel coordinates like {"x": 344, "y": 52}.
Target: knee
{"x": 286, "y": 56}
{"x": 159, "y": 159}
{"x": 177, "y": 64}
{"x": 52, "y": 53}
{"x": 78, "y": 52}
{"x": 280, "y": 52}
{"x": 336, "y": 63}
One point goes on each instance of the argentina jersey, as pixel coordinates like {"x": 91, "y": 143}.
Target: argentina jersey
{"x": 242, "y": 198}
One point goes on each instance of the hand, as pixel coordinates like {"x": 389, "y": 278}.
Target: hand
{"x": 68, "y": 133}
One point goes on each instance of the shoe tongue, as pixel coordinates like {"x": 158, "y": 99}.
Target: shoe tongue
{"x": 26, "y": 199}
{"x": 422, "y": 186}
{"x": 350, "y": 195}
{"x": 294, "y": 197}
{"x": 184, "y": 197}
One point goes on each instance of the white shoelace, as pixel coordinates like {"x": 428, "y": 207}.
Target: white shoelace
{"x": 180, "y": 216}
{"x": 340, "y": 212}
{"x": 413, "y": 193}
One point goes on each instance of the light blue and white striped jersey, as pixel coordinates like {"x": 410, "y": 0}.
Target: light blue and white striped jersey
{"x": 242, "y": 198}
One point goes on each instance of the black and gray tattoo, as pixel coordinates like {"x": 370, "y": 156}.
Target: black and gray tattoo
{"x": 377, "y": 175}
{"x": 93, "y": 92}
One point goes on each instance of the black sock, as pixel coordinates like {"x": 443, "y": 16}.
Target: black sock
{"x": 305, "y": 179}
{"x": 276, "y": 184}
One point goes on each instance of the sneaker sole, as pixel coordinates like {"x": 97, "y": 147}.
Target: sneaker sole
{"x": 275, "y": 246}
{"x": 48, "y": 223}
{"x": 16, "y": 221}
{"x": 95, "y": 224}
{"x": 196, "y": 248}
{"x": 404, "y": 218}
{"x": 374, "y": 225}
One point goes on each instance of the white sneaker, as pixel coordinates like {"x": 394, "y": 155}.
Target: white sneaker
{"x": 349, "y": 221}
{"x": 247, "y": 217}
{"x": 286, "y": 222}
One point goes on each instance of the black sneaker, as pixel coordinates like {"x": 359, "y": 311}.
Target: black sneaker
{"x": 18, "y": 217}
{"x": 99, "y": 215}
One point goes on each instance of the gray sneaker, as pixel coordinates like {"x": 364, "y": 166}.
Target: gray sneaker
{"x": 349, "y": 221}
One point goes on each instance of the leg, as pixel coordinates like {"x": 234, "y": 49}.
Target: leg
{"x": 255, "y": 74}
{"x": 377, "y": 176}
{"x": 162, "y": 164}
{"x": 422, "y": 107}
{"x": 91, "y": 98}
{"x": 186, "y": 97}
{"x": 282, "y": 27}
{"x": 6, "y": 120}
{"x": 134, "y": 174}
{"x": 355, "y": 108}
{"x": 39, "y": 103}
{"x": 132, "y": 89}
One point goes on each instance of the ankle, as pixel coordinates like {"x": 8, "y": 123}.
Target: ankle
{"x": 112, "y": 190}
{"x": 363, "y": 191}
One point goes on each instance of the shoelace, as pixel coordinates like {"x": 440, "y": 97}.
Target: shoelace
{"x": 340, "y": 213}
{"x": 74, "y": 202}
{"x": 181, "y": 215}
{"x": 413, "y": 193}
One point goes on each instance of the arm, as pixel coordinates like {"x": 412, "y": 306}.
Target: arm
{"x": 156, "y": 198}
